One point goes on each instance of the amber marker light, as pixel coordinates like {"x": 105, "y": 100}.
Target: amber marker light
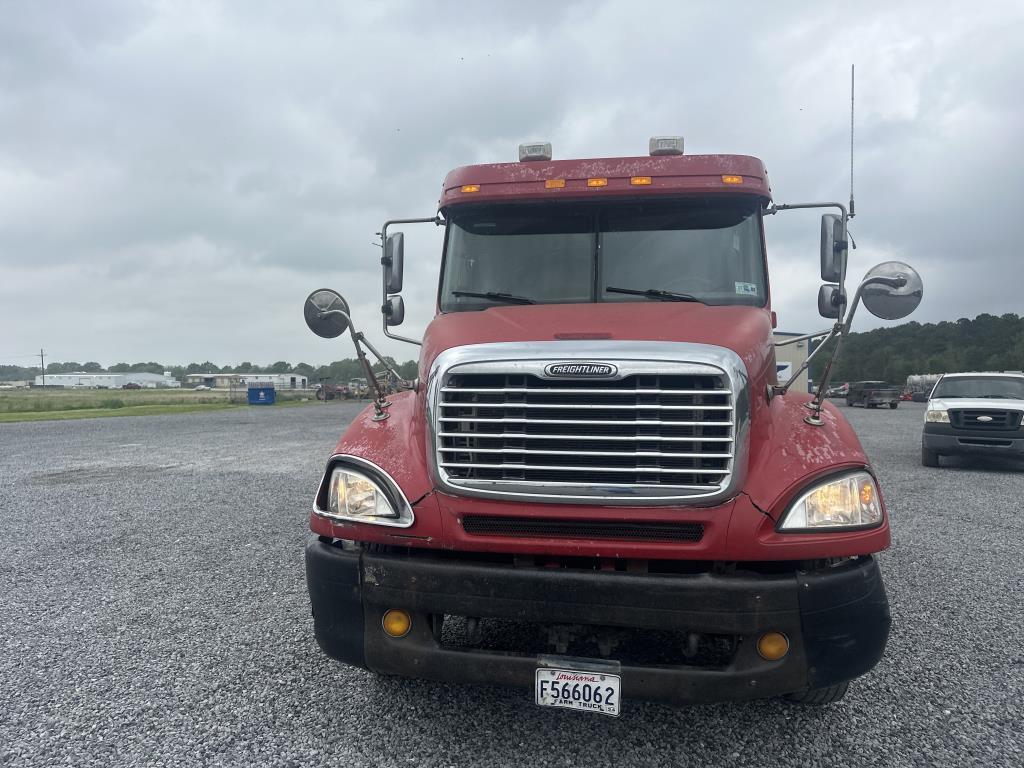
{"x": 396, "y": 622}
{"x": 470, "y": 187}
{"x": 732, "y": 179}
{"x": 867, "y": 493}
{"x": 772, "y": 646}
{"x": 554, "y": 184}
{"x": 640, "y": 181}
{"x": 597, "y": 182}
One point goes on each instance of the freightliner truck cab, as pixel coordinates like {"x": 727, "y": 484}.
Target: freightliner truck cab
{"x": 596, "y": 488}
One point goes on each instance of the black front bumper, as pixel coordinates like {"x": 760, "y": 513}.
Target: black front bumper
{"x": 837, "y": 620}
{"x": 948, "y": 440}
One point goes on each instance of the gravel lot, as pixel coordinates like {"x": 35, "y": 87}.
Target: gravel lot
{"x": 153, "y": 612}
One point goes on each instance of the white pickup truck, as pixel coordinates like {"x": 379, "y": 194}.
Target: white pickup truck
{"x": 974, "y": 413}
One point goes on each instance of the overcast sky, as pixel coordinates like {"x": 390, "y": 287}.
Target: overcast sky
{"x": 176, "y": 177}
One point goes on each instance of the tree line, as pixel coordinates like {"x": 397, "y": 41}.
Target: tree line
{"x": 339, "y": 372}
{"x": 986, "y": 343}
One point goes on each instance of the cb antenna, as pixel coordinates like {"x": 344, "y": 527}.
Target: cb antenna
{"x": 852, "y": 209}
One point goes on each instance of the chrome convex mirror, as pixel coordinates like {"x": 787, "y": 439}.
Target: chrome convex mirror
{"x": 892, "y": 290}
{"x": 394, "y": 263}
{"x": 326, "y": 313}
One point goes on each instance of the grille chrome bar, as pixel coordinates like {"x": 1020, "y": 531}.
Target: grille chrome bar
{"x": 618, "y": 438}
{"x": 634, "y": 423}
{"x": 645, "y": 454}
{"x": 668, "y": 426}
{"x": 673, "y": 470}
{"x": 591, "y": 406}
{"x": 582, "y": 391}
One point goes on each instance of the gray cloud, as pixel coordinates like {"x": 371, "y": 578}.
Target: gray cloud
{"x": 175, "y": 178}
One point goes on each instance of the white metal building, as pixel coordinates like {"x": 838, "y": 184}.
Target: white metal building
{"x": 109, "y": 380}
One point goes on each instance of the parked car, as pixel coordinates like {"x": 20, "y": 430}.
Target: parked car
{"x": 202, "y": 387}
{"x": 131, "y": 385}
{"x": 974, "y": 413}
{"x": 872, "y": 394}
{"x": 837, "y": 391}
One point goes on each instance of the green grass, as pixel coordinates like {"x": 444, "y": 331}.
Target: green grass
{"x": 56, "y": 404}
{"x": 129, "y": 410}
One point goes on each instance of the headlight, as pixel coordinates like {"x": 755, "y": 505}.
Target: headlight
{"x": 940, "y": 416}
{"x": 850, "y": 501}
{"x": 353, "y": 494}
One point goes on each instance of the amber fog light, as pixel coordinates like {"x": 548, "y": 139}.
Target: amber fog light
{"x": 396, "y": 622}
{"x": 773, "y": 646}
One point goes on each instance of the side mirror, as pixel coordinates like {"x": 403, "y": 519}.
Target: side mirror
{"x": 326, "y": 313}
{"x": 833, "y": 248}
{"x": 394, "y": 310}
{"x": 394, "y": 261}
{"x": 892, "y": 290}
{"x": 830, "y": 300}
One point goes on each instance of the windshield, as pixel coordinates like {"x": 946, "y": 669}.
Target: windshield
{"x": 981, "y": 386}
{"x": 564, "y": 254}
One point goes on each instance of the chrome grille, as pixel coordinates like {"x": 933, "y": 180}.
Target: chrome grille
{"x": 658, "y": 434}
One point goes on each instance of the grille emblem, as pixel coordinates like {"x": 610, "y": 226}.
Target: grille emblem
{"x": 587, "y": 370}
{"x": 984, "y": 418}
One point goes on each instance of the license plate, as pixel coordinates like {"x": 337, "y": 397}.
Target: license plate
{"x": 587, "y": 691}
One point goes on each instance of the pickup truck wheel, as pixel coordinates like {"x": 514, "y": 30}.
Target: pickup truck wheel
{"x": 929, "y": 458}
{"x": 893, "y": 405}
{"x": 817, "y": 697}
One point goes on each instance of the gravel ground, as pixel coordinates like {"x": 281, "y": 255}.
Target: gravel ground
{"x": 153, "y": 612}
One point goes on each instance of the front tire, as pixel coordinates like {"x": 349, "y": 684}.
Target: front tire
{"x": 929, "y": 458}
{"x": 818, "y": 697}
{"x": 893, "y": 405}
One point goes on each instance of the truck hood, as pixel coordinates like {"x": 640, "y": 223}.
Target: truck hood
{"x": 744, "y": 330}
{"x": 975, "y": 403}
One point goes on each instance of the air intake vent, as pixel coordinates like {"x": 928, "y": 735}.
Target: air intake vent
{"x": 480, "y": 525}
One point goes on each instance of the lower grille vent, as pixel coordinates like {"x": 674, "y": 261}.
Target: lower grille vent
{"x": 480, "y": 525}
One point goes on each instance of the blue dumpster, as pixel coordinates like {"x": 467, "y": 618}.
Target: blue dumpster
{"x": 263, "y": 395}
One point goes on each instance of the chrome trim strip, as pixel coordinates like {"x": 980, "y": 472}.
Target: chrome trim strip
{"x": 405, "y": 518}
{"x": 632, "y": 358}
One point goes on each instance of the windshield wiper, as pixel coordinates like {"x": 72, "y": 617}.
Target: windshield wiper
{"x": 654, "y": 293}
{"x": 508, "y": 298}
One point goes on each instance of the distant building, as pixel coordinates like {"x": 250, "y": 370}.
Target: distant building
{"x": 243, "y": 380}
{"x": 109, "y": 380}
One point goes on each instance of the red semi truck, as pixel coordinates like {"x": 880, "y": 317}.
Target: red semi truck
{"x": 596, "y": 488}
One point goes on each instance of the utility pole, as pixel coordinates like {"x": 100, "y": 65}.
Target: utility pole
{"x": 42, "y": 366}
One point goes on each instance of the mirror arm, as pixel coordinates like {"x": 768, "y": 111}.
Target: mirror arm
{"x": 806, "y": 337}
{"x": 775, "y": 208}
{"x": 842, "y": 330}
{"x": 358, "y": 339}
{"x": 383, "y": 234}
{"x": 402, "y": 383}
{"x": 781, "y": 389}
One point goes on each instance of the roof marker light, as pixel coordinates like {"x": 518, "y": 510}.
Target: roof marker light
{"x": 597, "y": 182}
{"x": 470, "y": 188}
{"x": 537, "y": 151}
{"x": 640, "y": 181}
{"x": 554, "y": 183}
{"x": 732, "y": 179}
{"x": 666, "y": 145}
